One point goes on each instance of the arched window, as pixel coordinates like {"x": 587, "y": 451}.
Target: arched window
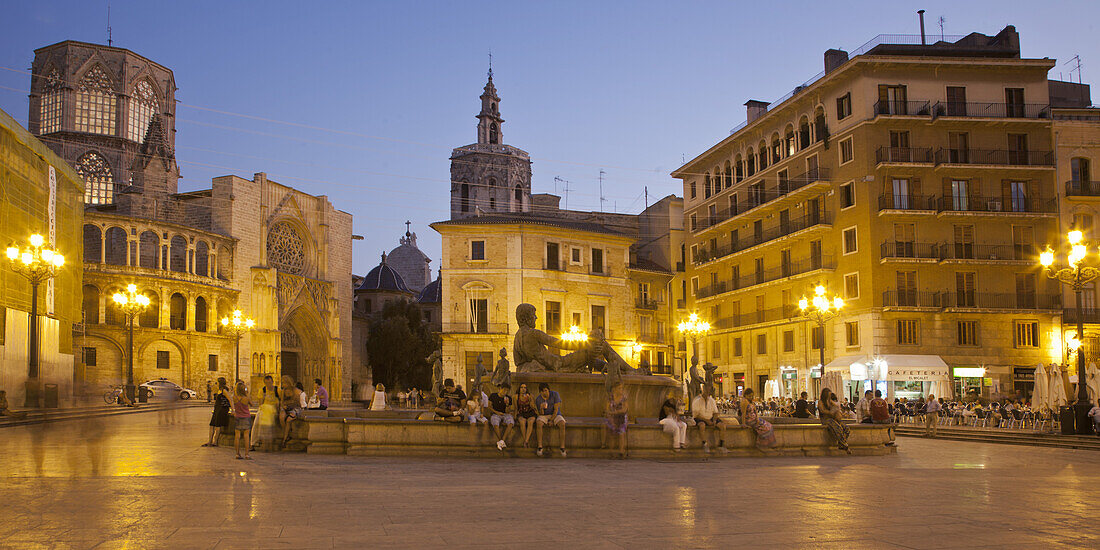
{"x": 95, "y": 103}
{"x": 150, "y": 316}
{"x": 177, "y": 255}
{"x": 99, "y": 183}
{"x": 177, "y": 319}
{"x": 115, "y": 247}
{"x": 821, "y": 130}
{"x": 143, "y": 107}
{"x": 803, "y": 133}
{"x": 792, "y": 145}
{"x": 777, "y": 148}
{"x": 148, "y": 249}
{"x": 706, "y": 185}
{"x": 200, "y": 314}
{"x": 113, "y": 313}
{"x": 763, "y": 151}
{"x": 738, "y": 169}
{"x": 464, "y": 198}
{"x": 202, "y": 259}
{"x": 494, "y": 133}
{"x": 90, "y": 305}
{"x": 263, "y": 361}
{"x": 750, "y": 161}
{"x": 49, "y": 104}
{"x": 729, "y": 175}
{"x": 93, "y": 244}
{"x": 492, "y": 203}
{"x": 517, "y": 205}
{"x": 223, "y": 311}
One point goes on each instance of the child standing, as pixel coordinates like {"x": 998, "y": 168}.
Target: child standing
{"x": 243, "y": 417}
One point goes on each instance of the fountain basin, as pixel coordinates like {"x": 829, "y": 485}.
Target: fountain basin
{"x": 585, "y": 394}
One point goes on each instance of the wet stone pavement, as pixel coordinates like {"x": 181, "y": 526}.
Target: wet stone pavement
{"x": 143, "y": 481}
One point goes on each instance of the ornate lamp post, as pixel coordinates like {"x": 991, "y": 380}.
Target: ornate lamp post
{"x": 131, "y": 303}
{"x": 1077, "y": 276}
{"x": 38, "y": 263}
{"x": 237, "y": 325}
{"x": 820, "y": 309}
{"x": 693, "y": 327}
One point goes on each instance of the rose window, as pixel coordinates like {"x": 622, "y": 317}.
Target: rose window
{"x": 285, "y": 249}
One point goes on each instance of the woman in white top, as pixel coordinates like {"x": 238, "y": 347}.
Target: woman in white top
{"x": 378, "y": 403}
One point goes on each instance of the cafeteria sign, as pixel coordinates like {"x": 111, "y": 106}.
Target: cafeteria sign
{"x": 917, "y": 374}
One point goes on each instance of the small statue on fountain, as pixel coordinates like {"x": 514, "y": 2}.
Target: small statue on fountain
{"x": 436, "y": 359}
{"x": 502, "y": 375}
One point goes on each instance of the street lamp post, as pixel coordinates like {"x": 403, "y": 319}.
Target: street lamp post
{"x": 820, "y": 309}
{"x": 237, "y": 325}
{"x": 38, "y": 263}
{"x": 693, "y": 327}
{"x": 131, "y": 303}
{"x": 1077, "y": 276}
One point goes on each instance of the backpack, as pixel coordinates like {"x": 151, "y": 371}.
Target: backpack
{"x": 879, "y": 409}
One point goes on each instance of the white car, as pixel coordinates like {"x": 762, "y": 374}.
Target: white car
{"x": 164, "y": 389}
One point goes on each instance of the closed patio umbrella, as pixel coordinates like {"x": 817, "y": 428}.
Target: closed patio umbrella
{"x": 1093, "y": 382}
{"x": 1057, "y": 388}
{"x": 1040, "y": 395}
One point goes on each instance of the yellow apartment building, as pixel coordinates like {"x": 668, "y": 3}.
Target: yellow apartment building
{"x": 913, "y": 180}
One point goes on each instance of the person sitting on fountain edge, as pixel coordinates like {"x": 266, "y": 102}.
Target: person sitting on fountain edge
{"x": 449, "y": 404}
{"x": 548, "y": 406}
{"x": 705, "y": 410}
{"x": 500, "y": 403}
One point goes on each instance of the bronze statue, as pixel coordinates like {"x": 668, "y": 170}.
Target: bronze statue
{"x": 503, "y": 373}
{"x": 479, "y": 373}
{"x": 436, "y": 359}
{"x": 695, "y": 379}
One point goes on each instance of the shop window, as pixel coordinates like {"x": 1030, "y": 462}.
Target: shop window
{"x": 908, "y": 332}
{"x": 162, "y": 360}
{"x": 967, "y": 333}
{"x": 1027, "y": 334}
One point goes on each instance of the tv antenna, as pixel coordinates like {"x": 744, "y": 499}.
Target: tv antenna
{"x": 1076, "y": 61}
{"x": 942, "y": 21}
{"x": 109, "y": 41}
{"x": 565, "y": 187}
{"x": 602, "y": 198}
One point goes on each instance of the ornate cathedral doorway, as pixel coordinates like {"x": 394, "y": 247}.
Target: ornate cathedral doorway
{"x": 304, "y": 349}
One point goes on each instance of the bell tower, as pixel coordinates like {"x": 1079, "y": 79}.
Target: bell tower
{"x": 489, "y": 121}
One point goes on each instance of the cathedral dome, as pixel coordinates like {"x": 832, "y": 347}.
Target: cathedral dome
{"x": 410, "y": 262}
{"x": 432, "y": 294}
{"x": 384, "y": 277}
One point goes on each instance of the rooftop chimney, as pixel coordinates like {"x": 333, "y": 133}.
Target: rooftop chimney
{"x": 921, "y": 14}
{"x": 834, "y": 59}
{"x": 755, "y": 109}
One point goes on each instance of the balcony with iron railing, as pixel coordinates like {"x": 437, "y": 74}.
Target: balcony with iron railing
{"x": 902, "y": 108}
{"x": 1083, "y": 188}
{"x": 988, "y": 300}
{"x": 907, "y": 202}
{"x": 990, "y": 109}
{"x": 912, "y": 298}
{"x": 904, "y": 155}
{"x": 756, "y": 317}
{"x": 646, "y": 303}
{"x": 770, "y": 191}
{"x": 475, "y": 328}
{"x": 652, "y": 337}
{"x": 994, "y": 157}
{"x": 1009, "y": 204}
{"x": 751, "y": 240}
{"x": 906, "y": 250}
{"x": 1087, "y": 315}
{"x": 791, "y": 269}
{"x": 962, "y": 252}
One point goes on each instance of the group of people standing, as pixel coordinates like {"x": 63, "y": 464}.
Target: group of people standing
{"x": 278, "y": 406}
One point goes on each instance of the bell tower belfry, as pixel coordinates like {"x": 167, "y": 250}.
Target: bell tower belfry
{"x": 488, "y": 176}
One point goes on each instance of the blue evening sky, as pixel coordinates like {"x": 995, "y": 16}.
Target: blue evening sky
{"x": 382, "y": 91}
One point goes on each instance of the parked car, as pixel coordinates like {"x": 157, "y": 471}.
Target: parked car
{"x": 164, "y": 388}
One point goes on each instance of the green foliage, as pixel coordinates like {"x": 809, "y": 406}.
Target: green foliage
{"x": 398, "y": 344}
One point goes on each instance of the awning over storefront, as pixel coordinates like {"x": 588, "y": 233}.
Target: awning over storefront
{"x": 898, "y": 367}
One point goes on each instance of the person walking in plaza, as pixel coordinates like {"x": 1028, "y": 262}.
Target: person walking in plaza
{"x": 525, "y": 413}
{"x": 209, "y": 391}
{"x": 671, "y": 423}
{"x": 931, "y": 416}
{"x": 615, "y": 417}
{"x": 548, "y": 406}
{"x": 267, "y": 416}
{"x": 765, "y": 433}
{"x": 500, "y": 405}
{"x": 219, "y": 419}
{"x": 705, "y": 411}
{"x": 291, "y": 409}
{"x": 242, "y": 417}
{"x": 832, "y": 418}
{"x": 378, "y": 401}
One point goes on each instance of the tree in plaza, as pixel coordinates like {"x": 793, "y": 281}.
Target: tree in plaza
{"x": 398, "y": 343}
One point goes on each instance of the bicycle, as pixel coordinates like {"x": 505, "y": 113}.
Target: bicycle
{"x": 111, "y": 396}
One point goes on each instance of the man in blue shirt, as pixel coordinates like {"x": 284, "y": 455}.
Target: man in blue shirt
{"x": 548, "y": 407}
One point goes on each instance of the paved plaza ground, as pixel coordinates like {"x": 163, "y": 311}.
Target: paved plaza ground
{"x": 147, "y": 483}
